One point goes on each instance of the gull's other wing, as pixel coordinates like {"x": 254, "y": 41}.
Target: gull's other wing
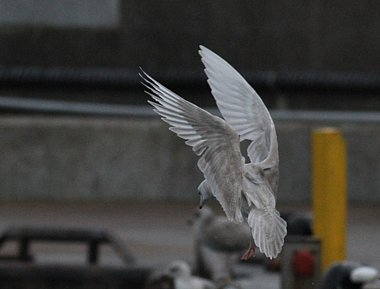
{"x": 242, "y": 108}
{"x": 211, "y": 138}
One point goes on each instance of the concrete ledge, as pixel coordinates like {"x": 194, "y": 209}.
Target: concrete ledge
{"x": 89, "y": 158}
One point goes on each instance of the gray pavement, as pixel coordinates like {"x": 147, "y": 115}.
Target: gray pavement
{"x": 157, "y": 232}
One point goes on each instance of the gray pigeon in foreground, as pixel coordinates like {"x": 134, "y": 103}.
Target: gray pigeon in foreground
{"x": 217, "y": 245}
{"x": 245, "y": 191}
{"x": 348, "y": 275}
{"x": 180, "y": 271}
{"x": 219, "y": 234}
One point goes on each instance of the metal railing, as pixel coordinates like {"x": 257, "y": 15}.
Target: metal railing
{"x": 59, "y": 78}
{"x": 93, "y": 238}
{"x": 128, "y": 79}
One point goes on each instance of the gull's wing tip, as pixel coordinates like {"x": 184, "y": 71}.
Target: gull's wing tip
{"x": 144, "y": 80}
{"x": 143, "y": 74}
{"x": 146, "y": 77}
{"x": 203, "y": 50}
{"x": 147, "y": 80}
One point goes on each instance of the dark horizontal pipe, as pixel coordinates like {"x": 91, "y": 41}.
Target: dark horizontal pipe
{"x": 33, "y": 105}
{"x": 53, "y": 76}
{"x": 309, "y": 81}
{"x": 25, "y": 104}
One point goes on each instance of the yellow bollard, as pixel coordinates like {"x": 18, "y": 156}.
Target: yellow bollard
{"x": 329, "y": 193}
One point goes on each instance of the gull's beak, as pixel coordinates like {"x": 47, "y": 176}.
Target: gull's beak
{"x": 202, "y": 201}
{"x": 203, "y": 198}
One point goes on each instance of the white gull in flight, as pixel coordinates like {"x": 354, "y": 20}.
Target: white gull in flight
{"x": 246, "y": 191}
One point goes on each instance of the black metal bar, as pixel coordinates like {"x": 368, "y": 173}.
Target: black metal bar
{"x": 129, "y": 79}
{"x": 23, "y": 253}
{"x": 93, "y": 252}
{"x": 72, "y": 107}
{"x": 94, "y": 238}
{"x": 55, "y": 234}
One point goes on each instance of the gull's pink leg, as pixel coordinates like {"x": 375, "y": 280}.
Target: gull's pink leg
{"x": 250, "y": 253}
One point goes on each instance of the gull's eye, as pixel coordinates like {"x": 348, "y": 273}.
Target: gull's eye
{"x": 174, "y": 269}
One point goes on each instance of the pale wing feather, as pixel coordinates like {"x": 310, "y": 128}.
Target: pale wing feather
{"x": 239, "y": 104}
{"x": 267, "y": 227}
{"x": 268, "y": 230}
{"x": 211, "y": 138}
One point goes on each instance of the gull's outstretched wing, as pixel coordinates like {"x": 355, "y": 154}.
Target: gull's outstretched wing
{"x": 211, "y": 138}
{"x": 241, "y": 107}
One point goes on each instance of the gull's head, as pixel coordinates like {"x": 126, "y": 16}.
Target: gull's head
{"x": 201, "y": 216}
{"x": 364, "y": 274}
{"x": 205, "y": 193}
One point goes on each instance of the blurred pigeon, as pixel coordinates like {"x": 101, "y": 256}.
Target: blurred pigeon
{"x": 245, "y": 191}
{"x": 348, "y": 275}
{"x": 180, "y": 271}
{"x": 298, "y": 223}
{"x": 219, "y": 234}
{"x": 217, "y": 244}
{"x": 159, "y": 280}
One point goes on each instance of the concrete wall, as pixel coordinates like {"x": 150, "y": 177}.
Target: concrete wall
{"x": 80, "y": 158}
{"x": 77, "y": 158}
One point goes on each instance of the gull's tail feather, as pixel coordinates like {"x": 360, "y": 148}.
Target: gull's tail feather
{"x": 268, "y": 230}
